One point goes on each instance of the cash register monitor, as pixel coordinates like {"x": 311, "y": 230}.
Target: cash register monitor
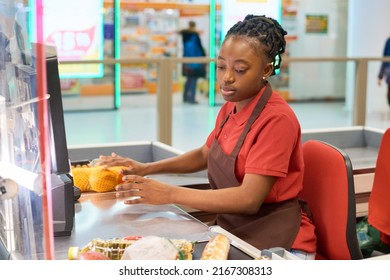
{"x": 59, "y": 153}
{"x": 60, "y": 163}
{"x": 62, "y": 183}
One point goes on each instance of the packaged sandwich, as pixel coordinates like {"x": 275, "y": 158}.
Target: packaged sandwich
{"x": 114, "y": 249}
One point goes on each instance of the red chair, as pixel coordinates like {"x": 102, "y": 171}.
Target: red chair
{"x": 328, "y": 189}
{"x": 379, "y": 201}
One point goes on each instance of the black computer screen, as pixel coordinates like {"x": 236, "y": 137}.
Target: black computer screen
{"x": 58, "y": 145}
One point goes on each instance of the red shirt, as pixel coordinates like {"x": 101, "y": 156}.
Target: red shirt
{"x": 272, "y": 147}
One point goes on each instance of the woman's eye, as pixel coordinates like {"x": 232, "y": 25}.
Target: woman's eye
{"x": 220, "y": 67}
{"x": 240, "y": 71}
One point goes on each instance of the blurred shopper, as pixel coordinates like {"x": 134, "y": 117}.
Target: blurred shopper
{"x": 384, "y": 72}
{"x": 192, "y": 47}
{"x": 253, "y": 155}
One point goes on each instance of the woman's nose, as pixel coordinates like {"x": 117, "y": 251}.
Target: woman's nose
{"x": 228, "y": 77}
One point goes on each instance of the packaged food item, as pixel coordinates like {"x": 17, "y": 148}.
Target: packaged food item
{"x": 217, "y": 248}
{"x": 97, "y": 179}
{"x": 114, "y": 249}
{"x": 185, "y": 247}
{"x": 151, "y": 248}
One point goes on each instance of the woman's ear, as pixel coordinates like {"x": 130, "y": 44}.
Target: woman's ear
{"x": 268, "y": 70}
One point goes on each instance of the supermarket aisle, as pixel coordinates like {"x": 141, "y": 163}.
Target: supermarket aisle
{"x": 136, "y": 120}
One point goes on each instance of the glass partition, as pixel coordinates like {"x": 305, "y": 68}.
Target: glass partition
{"x": 33, "y": 169}
{"x": 21, "y": 223}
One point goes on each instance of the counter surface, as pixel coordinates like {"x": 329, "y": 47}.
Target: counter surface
{"x": 104, "y": 216}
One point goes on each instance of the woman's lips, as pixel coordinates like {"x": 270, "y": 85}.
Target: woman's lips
{"x": 227, "y": 91}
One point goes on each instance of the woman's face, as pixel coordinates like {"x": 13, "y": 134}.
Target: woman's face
{"x": 240, "y": 70}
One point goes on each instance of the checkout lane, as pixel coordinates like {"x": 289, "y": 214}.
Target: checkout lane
{"x": 105, "y": 217}
{"x": 102, "y": 215}
{"x": 145, "y": 152}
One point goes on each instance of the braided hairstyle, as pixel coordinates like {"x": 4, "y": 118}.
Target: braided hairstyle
{"x": 265, "y": 30}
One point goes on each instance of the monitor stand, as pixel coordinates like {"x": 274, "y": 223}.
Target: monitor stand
{"x": 63, "y": 196}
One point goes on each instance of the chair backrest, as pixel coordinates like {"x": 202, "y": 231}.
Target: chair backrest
{"x": 328, "y": 189}
{"x": 379, "y": 201}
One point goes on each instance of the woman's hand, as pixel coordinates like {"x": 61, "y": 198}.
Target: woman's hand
{"x": 138, "y": 189}
{"x": 133, "y": 166}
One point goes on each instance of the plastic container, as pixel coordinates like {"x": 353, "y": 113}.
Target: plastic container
{"x": 112, "y": 248}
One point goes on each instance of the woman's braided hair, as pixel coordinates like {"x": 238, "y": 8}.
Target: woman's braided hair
{"x": 266, "y": 31}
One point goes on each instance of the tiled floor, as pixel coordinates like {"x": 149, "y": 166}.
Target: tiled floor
{"x": 136, "y": 120}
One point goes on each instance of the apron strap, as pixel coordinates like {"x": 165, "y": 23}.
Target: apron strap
{"x": 256, "y": 113}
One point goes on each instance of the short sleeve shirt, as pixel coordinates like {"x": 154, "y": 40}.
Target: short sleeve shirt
{"x": 272, "y": 147}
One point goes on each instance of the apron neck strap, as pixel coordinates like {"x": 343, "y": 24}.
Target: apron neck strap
{"x": 255, "y": 114}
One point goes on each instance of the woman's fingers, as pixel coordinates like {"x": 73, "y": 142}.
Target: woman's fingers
{"x": 128, "y": 193}
{"x": 127, "y": 171}
{"x": 132, "y": 195}
{"x": 138, "y": 189}
{"x": 134, "y": 200}
{"x": 128, "y": 180}
{"x": 111, "y": 160}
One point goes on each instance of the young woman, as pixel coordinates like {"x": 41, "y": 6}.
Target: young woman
{"x": 253, "y": 155}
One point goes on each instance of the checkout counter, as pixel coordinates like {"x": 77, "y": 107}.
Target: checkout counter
{"x": 102, "y": 215}
{"x": 105, "y": 217}
{"x": 361, "y": 144}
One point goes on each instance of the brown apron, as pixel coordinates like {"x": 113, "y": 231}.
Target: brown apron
{"x": 275, "y": 224}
